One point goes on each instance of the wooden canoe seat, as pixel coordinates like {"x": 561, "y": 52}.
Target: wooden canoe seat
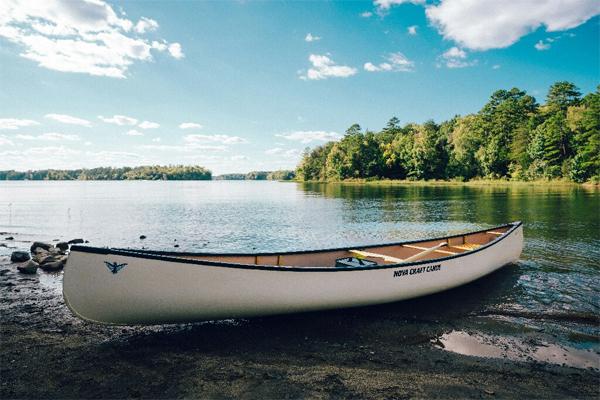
{"x": 495, "y": 233}
{"x": 467, "y": 246}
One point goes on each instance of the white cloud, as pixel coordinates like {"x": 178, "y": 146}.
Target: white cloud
{"x": 310, "y": 136}
{"x": 412, "y": 30}
{"x": 224, "y": 139}
{"x": 156, "y": 139}
{"x": 323, "y": 67}
{"x": 175, "y": 51}
{"x": 148, "y": 125}
{"x": 273, "y": 151}
{"x": 119, "y": 120}
{"x": 310, "y": 38}
{"x": 133, "y": 132}
{"x": 366, "y": 14}
{"x": 189, "y": 125}
{"x": 15, "y": 123}
{"x": 182, "y": 148}
{"x": 384, "y": 5}
{"x": 492, "y": 24}
{"x": 496, "y": 66}
{"x": 238, "y": 158}
{"x": 540, "y": 45}
{"x": 286, "y": 154}
{"x": 4, "y": 141}
{"x": 50, "y": 136}
{"x": 146, "y": 25}
{"x": 456, "y": 58}
{"x": 78, "y": 36}
{"x": 68, "y": 119}
{"x": 396, "y": 62}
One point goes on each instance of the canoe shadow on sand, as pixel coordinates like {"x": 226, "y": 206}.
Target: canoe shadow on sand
{"x": 417, "y": 320}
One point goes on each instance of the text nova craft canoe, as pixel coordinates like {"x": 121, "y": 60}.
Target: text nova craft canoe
{"x": 122, "y": 286}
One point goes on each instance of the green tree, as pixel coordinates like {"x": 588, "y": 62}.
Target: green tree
{"x": 562, "y": 95}
{"x": 502, "y": 116}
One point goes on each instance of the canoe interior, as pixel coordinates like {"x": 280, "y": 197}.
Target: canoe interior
{"x": 327, "y": 258}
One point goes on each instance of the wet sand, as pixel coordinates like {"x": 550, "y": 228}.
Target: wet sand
{"x": 394, "y": 351}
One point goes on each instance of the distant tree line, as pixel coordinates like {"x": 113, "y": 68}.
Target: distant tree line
{"x": 153, "y": 173}
{"x": 280, "y": 175}
{"x": 512, "y": 137}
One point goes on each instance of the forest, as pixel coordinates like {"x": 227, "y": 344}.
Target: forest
{"x": 512, "y": 137}
{"x": 156, "y": 172}
{"x": 279, "y": 175}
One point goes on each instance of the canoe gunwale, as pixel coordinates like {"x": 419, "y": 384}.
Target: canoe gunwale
{"x": 176, "y": 256}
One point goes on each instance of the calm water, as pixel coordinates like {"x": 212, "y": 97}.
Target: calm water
{"x": 559, "y": 273}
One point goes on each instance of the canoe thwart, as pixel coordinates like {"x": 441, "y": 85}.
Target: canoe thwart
{"x": 436, "y": 248}
{"x": 426, "y": 251}
{"x": 376, "y": 255}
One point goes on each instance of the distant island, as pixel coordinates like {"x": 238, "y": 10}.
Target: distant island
{"x": 150, "y": 173}
{"x": 511, "y": 138}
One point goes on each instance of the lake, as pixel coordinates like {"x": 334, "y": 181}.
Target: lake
{"x": 553, "y": 288}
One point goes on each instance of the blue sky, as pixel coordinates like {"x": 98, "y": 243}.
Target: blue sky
{"x": 239, "y": 86}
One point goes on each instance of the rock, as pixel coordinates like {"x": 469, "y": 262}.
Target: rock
{"x": 9, "y": 238}
{"x": 39, "y": 254}
{"x": 41, "y": 245}
{"x": 19, "y": 256}
{"x": 142, "y": 237}
{"x": 53, "y": 266}
{"x": 29, "y": 267}
{"x": 55, "y": 251}
{"x": 75, "y": 241}
{"x": 176, "y": 245}
{"x": 64, "y": 246}
{"x": 53, "y": 258}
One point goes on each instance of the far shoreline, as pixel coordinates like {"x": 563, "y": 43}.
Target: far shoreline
{"x": 366, "y": 182}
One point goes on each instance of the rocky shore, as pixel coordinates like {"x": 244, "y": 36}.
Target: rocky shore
{"x": 396, "y": 351}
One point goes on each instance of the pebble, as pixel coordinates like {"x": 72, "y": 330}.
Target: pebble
{"x": 142, "y": 237}
{"x": 29, "y": 267}
{"x": 75, "y": 241}
{"x": 9, "y": 238}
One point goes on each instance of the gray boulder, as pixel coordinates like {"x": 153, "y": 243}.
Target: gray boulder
{"x": 29, "y": 267}
{"x": 41, "y": 245}
{"x": 75, "y": 241}
{"x": 63, "y": 246}
{"x": 19, "y": 256}
{"x": 53, "y": 266}
{"x": 39, "y": 255}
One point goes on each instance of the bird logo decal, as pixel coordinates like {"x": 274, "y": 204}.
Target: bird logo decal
{"x": 114, "y": 267}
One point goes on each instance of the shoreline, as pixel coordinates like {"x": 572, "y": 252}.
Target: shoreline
{"x": 410, "y": 349}
{"x": 478, "y": 182}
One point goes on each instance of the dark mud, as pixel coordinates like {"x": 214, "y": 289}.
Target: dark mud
{"x": 394, "y": 351}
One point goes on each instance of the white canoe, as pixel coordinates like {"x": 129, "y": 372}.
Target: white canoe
{"x": 120, "y": 286}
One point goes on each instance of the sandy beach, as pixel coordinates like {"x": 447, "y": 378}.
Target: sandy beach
{"x": 383, "y": 352}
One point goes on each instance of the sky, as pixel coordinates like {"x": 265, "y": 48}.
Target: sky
{"x": 248, "y": 85}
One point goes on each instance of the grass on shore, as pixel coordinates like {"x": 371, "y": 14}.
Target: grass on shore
{"x": 474, "y": 182}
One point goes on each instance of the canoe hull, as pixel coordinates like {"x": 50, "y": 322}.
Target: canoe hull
{"x": 155, "y": 290}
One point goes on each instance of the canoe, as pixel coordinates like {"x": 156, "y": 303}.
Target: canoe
{"x": 126, "y": 287}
